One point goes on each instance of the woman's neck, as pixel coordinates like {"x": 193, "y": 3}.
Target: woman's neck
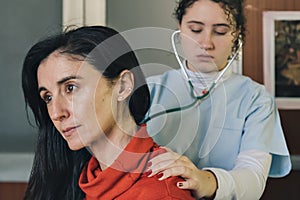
{"x": 110, "y": 145}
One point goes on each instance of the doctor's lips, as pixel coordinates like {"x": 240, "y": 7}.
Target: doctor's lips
{"x": 67, "y": 132}
{"x": 205, "y": 57}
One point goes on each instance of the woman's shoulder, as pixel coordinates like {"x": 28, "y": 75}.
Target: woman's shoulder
{"x": 152, "y": 188}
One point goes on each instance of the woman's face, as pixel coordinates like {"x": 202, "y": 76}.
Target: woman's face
{"x": 69, "y": 87}
{"x": 206, "y": 36}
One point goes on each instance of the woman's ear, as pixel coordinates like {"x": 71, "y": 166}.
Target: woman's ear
{"x": 126, "y": 84}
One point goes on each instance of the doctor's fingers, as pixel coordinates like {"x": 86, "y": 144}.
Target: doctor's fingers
{"x": 166, "y": 148}
{"x": 167, "y": 156}
{"x": 203, "y": 183}
{"x": 173, "y": 165}
{"x": 182, "y": 171}
{"x": 189, "y": 184}
{"x": 194, "y": 179}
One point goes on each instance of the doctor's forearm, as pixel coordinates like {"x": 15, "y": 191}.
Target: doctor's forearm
{"x": 248, "y": 178}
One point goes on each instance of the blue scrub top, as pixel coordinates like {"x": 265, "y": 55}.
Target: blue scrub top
{"x": 238, "y": 116}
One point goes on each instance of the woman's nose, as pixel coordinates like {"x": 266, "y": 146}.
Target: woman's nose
{"x": 59, "y": 109}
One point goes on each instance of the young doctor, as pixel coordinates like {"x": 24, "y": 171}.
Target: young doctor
{"x": 227, "y": 145}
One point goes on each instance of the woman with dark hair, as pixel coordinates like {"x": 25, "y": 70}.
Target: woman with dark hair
{"x": 89, "y": 96}
{"x": 228, "y": 144}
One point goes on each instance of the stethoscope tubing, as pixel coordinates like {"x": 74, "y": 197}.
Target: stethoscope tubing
{"x": 198, "y": 99}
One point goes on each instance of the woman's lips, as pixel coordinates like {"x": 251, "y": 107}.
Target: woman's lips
{"x": 67, "y": 132}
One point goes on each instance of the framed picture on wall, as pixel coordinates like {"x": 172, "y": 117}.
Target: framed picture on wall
{"x": 281, "y": 49}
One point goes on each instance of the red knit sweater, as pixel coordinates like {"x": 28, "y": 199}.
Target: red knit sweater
{"x": 125, "y": 178}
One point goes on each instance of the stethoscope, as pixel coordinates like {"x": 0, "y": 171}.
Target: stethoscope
{"x": 203, "y": 95}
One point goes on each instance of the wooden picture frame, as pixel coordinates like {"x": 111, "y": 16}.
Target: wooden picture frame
{"x": 281, "y": 49}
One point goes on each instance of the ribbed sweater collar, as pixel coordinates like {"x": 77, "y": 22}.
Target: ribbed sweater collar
{"x": 122, "y": 174}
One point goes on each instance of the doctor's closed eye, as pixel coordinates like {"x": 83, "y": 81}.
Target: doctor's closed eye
{"x": 222, "y": 30}
{"x": 218, "y": 29}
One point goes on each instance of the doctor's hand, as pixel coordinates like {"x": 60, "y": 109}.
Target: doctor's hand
{"x": 203, "y": 183}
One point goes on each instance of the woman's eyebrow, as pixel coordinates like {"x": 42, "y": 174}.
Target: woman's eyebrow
{"x": 65, "y": 79}
{"x": 61, "y": 81}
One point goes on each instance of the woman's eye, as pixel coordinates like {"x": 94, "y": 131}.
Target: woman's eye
{"x": 70, "y": 88}
{"x": 47, "y": 98}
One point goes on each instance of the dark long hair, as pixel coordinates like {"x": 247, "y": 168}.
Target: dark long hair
{"x": 234, "y": 8}
{"x": 56, "y": 168}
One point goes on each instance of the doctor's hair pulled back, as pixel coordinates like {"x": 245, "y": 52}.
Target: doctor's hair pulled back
{"x": 234, "y": 9}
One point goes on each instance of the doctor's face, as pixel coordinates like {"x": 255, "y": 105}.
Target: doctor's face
{"x": 207, "y": 36}
{"x": 78, "y": 100}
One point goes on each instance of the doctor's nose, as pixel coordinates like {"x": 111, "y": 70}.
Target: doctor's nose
{"x": 59, "y": 109}
{"x": 206, "y": 41}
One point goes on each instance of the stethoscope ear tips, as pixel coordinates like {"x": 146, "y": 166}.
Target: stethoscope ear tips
{"x": 175, "y": 32}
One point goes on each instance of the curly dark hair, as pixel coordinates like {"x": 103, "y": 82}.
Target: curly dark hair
{"x": 232, "y": 8}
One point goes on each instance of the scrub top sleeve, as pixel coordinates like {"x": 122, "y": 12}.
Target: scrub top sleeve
{"x": 262, "y": 131}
